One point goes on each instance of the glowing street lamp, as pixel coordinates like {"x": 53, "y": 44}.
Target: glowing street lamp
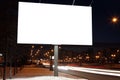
{"x": 59, "y": 47}
{"x": 41, "y": 47}
{"x": 80, "y": 57}
{"x": 114, "y": 19}
{"x": 97, "y": 57}
{"x": 118, "y": 50}
{"x": 33, "y": 46}
{"x": 52, "y": 50}
{"x": 87, "y": 57}
{"x": 113, "y": 55}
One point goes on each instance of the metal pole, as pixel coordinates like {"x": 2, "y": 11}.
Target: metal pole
{"x": 56, "y": 60}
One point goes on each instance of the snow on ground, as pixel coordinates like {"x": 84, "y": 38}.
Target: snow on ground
{"x": 46, "y": 78}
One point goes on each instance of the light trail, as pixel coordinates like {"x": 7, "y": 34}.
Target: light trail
{"x": 91, "y": 70}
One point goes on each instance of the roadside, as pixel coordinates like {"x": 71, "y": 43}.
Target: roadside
{"x": 30, "y": 72}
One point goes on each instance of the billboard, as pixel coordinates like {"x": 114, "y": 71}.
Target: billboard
{"x": 40, "y": 23}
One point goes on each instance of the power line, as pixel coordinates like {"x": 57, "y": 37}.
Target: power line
{"x": 73, "y": 2}
{"x": 91, "y": 3}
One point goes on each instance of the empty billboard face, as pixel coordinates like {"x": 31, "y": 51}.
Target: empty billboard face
{"x": 40, "y": 23}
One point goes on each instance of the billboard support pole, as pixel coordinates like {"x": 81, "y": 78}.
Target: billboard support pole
{"x": 55, "y": 60}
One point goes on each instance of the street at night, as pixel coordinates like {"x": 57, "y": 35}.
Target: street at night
{"x": 55, "y": 38}
{"x": 91, "y": 76}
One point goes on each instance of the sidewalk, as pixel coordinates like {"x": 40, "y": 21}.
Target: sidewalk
{"x": 38, "y": 73}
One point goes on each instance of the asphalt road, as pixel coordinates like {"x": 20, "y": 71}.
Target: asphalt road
{"x": 90, "y": 76}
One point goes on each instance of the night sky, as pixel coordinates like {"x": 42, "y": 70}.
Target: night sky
{"x": 104, "y": 31}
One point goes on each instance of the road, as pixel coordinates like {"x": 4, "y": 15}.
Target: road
{"x": 75, "y": 72}
{"x": 90, "y": 76}
{"x": 91, "y": 73}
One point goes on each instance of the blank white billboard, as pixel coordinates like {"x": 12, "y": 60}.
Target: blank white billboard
{"x": 40, "y": 23}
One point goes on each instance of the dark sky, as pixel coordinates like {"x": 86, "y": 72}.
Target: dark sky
{"x": 103, "y": 10}
{"x": 103, "y": 29}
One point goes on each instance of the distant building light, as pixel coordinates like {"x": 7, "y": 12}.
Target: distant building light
{"x": 87, "y": 57}
{"x": 33, "y": 46}
{"x": 97, "y": 57}
{"x": 118, "y": 61}
{"x": 113, "y": 55}
{"x": 1, "y": 54}
{"x": 52, "y": 57}
{"x": 41, "y": 46}
{"x": 118, "y": 50}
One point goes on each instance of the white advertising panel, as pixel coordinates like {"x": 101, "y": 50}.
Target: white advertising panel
{"x": 40, "y": 23}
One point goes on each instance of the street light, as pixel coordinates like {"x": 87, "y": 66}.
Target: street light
{"x": 118, "y": 51}
{"x": 59, "y": 47}
{"x": 33, "y": 46}
{"x": 41, "y": 47}
{"x": 114, "y": 19}
{"x": 52, "y": 50}
{"x": 97, "y": 57}
{"x": 87, "y": 57}
{"x": 113, "y": 55}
